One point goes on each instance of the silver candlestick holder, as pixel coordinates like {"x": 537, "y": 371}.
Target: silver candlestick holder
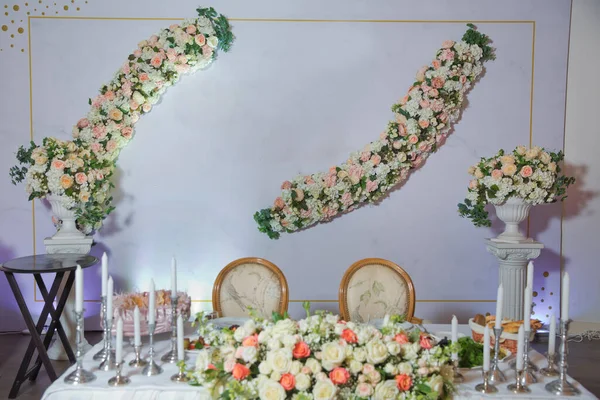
{"x": 109, "y": 363}
{"x": 171, "y": 356}
{"x": 486, "y": 386}
{"x": 519, "y": 387}
{"x": 562, "y": 387}
{"x": 457, "y": 376}
{"x": 151, "y": 367}
{"x": 180, "y": 376}
{"x": 138, "y": 361}
{"x": 528, "y": 376}
{"x": 80, "y": 375}
{"x": 119, "y": 380}
{"x": 496, "y": 375}
{"x": 101, "y": 355}
{"x": 550, "y": 370}
{"x": 530, "y": 366}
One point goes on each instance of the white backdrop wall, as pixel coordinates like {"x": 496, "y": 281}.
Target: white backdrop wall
{"x": 291, "y": 97}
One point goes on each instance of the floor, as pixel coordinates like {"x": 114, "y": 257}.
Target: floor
{"x": 584, "y": 360}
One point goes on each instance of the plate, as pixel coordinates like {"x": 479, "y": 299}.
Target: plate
{"x": 226, "y": 322}
{"x": 378, "y": 323}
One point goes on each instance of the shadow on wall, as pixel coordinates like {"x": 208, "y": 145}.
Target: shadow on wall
{"x": 10, "y": 316}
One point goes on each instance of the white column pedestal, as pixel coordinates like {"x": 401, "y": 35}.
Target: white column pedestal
{"x": 83, "y": 245}
{"x": 513, "y": 259}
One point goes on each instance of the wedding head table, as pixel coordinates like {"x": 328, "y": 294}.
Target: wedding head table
{"x": 161, "y": 387}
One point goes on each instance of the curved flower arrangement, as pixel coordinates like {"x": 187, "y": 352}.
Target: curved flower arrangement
{"x": 533, "y": 175}
{"x": 321, "y": 358}
{"x": 423, "y": 119}
{"x": 79, "y": 170}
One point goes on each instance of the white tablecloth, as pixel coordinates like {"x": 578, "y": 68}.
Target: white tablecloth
{"x": 162, "y": 388}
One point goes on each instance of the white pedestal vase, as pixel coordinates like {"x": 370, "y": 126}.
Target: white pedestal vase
{"x": 513, "y": 251}
{"x": 68, "y": 239}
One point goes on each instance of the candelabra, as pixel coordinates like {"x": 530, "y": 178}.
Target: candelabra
{"x": 561, "y": 387}
{"x": 119, "y": 380}
{"x": 180, "y": 376}
{"x": 550, "y": 370}
{"x": 151, "y": 368}
{"x": 171, "y": 356}
{"x": 80, "y": 375}
{"x": 528, "y": 376}
{"x": 486, "y": 386}
{"x": 496, "y": 375}
{"x": 138, "y": 361}
{"x": 101, "y": 355}
{"x": 457, "y": 376}
{"x": 519, "y": 387}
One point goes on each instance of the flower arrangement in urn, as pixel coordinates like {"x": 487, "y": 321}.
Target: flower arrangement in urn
{"x": 322, "y": 357}
{"x": 524, "y": 177}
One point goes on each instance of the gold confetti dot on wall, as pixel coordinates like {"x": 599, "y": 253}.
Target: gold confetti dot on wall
{"x": 535, "y": 294}
{"x": 6, "y": 13}
{"x": 543, "y": 288}
{"x": 551, "y": 293}
{"x": 66, "y": 8}
{"x": 12, "y": 21}
{"x": 4, "y": 28}
{"x": 77, "y": 8}
{"x": 549, "y": 307}
{"x": 12, "y": 45}
{"x": 22, "y": 50}
{"x": 547, "y": 316}
{"x": 16, "y": 7}
{"x": 26, "y": 4}
{"x": 542, "y": 300}
{"x": 20, "y": 30}
{"x": 43, "y": 13}
{"x": 546, "y": 274}
{"x": 6, "y": 6}
{"x": 12, "y": 35}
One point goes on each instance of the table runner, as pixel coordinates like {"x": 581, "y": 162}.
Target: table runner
{"x": 161, "y": 387}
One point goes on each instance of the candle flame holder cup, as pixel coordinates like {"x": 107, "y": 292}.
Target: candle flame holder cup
{"x": 495, "y": 374}
{"x": 518, "y": 387}
{"x": 151, "y": 368}
{"x": 138, "y": 361}
{"x": 119, "y": 380}
{"x": 486, "y": 386}
{"x": 80, "y": 375}
{"x": 562, "y": 387}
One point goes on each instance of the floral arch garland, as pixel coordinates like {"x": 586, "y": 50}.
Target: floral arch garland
{"x": 79, "y": 170}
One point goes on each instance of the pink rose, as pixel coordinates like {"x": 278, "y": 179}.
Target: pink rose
{"x": 526, "y": 171}
{"x": 418, "y": 161}
{"x": 147, "y": 107}
{"x": 368, "y": 368}
{"x": 497, "y": 174}
{"x": 80, "y": 178}
{"x": 437, "y": 105}
{"x": 96, "y": 147}
{"x": 98, "y": 101}
{"x": 372, "y": 186}
{"x": 182, "y": 59}
{"x": 109, "y": 95}
{"x": 365, "y": 156}
{"x": 306, "y": 213}
{"x": 279, "y": 203}
{"x": 172, "y": 28}
{"x": 437, "y": 82}
{"x": 207, "y": 51}
{"x": 126, "y": 88}
{"x": 58, "y": 164}
{"x": 127, "y": 132}
{"x": 463, "y": 79}
{"x": 443, "y": 117}
{"x": 404, "y": 100}
{"x": 433, "y": 93}
{"x": 190, "y": 29}
{"x": 413, "y": 139}
{"x": 331, "y": 212}
{"x": 99, "y": 175}
{"x": 182, "y": 69}
{"x": 286, "y": 185}
{"x": 330, "y": 180}
{"x": 376, "y": 158}
{"x": 284, "y": 222}
{"x": 402, "y": 130}
{"x": 473, "y": 184}
{"x": 423, "y": 123}
{"x": 397, "y": 145}
{"x": 447, "y": 55}
{"x": 383, "y": 136}
{"x": 99, "y": 132}
{"x": 125, "y": 68}
{"x": 82, "y": 123}
{"x": 153, "y": 40}
{"x": 200, "y": 39}
{"x": 436, "y": 64}
{"x": 424, "y": 103}
{"x": 171, "y": 54}
{"x": 421, "y": 73}
{"x": 447, "y": 44}
{"x": 156, "y": 61}
{"x": 347, "y": 199}
{"x": 111, "y": 145}
{"x": 137, "y": 53}
{"x": 309, "y": 180}
{"x": 133, "y": 105}
{"x": 425, "y": 88}
{"x": 229, "y": 364}
{"x": 423, "y": 146}
{"x": 355, "y": 172}
{"x": 364, "y": 389}
{"x": 144, "y": 77}
{"x": 401, "y": 338}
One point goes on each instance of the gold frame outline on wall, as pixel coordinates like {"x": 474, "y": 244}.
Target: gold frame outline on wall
{"x": 279, "y": 20}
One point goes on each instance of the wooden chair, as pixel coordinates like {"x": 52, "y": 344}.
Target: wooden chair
{"x": 374, "y": 287}
{"x": 250, "y": 282}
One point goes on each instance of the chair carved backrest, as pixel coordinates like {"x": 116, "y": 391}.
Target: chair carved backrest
{"x": 374, "y": 287}
{"x": 250, "y": 282}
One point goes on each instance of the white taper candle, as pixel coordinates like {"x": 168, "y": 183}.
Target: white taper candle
{"x": 180, "y": 349}
{"x": 137, "y": 340}
{"x": 173, "y": 277}
{"x": 499, "y": 305}
{"x": 119, "y": 349}
{"x": 109, "y": 301}
{"x": 104, "y": 273}
{"x": 527, "y": 310}
{"x": 78, "y": 289}
{"x": 564, "y": 306}
{"x": 520, "y": 348}
{"x": 152, "y": 303}
{"x": 552, "y": 335}
{"x": 454, "y": 335}
{"x": 530, "y": 274}
{"x": 486, "y": 348}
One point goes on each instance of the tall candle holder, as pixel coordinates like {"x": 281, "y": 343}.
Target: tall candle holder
{"x": 171, "y": 356}
{"x": 530, "y": 366}
{"x": 119, "y": 380}
{"x": 151, "y": 368}
{"x": 101, "y": 355}
{"x": 562, "y": 387}
{"x": 528, "y": 376}
{"x": 137, "y": 360}
{"x": 457, "y": 377}
{"x": 180, "y": 376}
{"x": 109, "y": 362}
{"x": 486, "y": 386}
{"x": 550, "y": 370}
{"x": 519, "y": 387}
{"x": 80, "y": 375}
{"x": 496, "y": 375}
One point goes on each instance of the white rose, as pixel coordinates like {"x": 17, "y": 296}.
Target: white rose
{"x": 332, "y": 355}
{"x": 386, "y": 390}
{"x": 227, "y": 351}
{"x": 289, "y": 340}
{"x": 364, "y": 389}
{"x": 321, "y": 376}
{"x": 405, "y": 368}
{"x": 339, "y": 328}
{"x": 410, "y": 351}
{"x": 250, "y": 327}
{"x": 212, "y": 41}
{"x": 249, "y": 354}
{"x": 545, "y": 157}
{"x": 393, "y": 347}
{"x": 264, "y": 368}
{"x": 302, "y": 382}
{"x": 273, "y": 344}
{"x": 314, "y": 365}
{"x": 275, "y": 376}
{"x": 280, "y": 360}
{"x": 202, "y": 360}
{"x": 390, "y": 369}
{"x": 240, "y": 333}
{"x": 296, "y": 367}
{"x": 271, "y": 390}
{"x": 360, "y": 354}
{"x": 264, "y": 336}
{"x": 436, "y": 384}
{"x": 355, "y": 366}
{"x": 138, "y": 97}
{"x": 377, "y": 352}
{"x": 284, "y": 327}
{"x": 331, "y": 319}
{"x": 324, "y": 390}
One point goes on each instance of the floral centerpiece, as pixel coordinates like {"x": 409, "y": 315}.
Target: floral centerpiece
{"x": 79, "y": 170}
{"x": 532, "y": 175}
{"x": 321, "y": 357}
{"x": 423, "y": 119}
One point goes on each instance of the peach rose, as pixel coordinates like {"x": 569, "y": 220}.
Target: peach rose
{"x": 436, "y": 64}
{"x": 355, "y": 172}
{"x": 127, "y": 132}
{"x": 301, "y": 350}
{"x": 147, "y": 107}
{"x": 144, "y": 77}
{"x": 434, "y": 93}
{"x": 401, "y": 338}
{"x": 200, "y": 39}
{"x": 82, "y": 123}
{"x": 497, "y": 174}
{"x": 437, "y": 82}
{"x": 404, "y": 100}
{"x": 134, "y": 104}
{"x": 423, "y": 123}
{"x": 84, "y": 196}
{"x": 80, "y": 178}
{"x": 173, "y": 27}
{"x": 207, "y": 51}
{"x": 279, "y": 203}
{"x": 190, "y": 29}
{"x": 66, "y": 181}
{"x": 240, "y": 371}
{"x": 349, "y": 336}
{"x": 397, "y": 145}
{"x": 156, "y": 61}
{"x": 58, "y": 164}
{"x": 347, "y": 199}
{"x": 463, "y": 79}
{"x": 376, "y": 158}
{"x": 309, "y": 180}
{"x": 288, "y": 381}
{"x": 99, "y": 132}
{"x": 509, "y": 159}
{"x": 421, "y": 73}
{"x": 115, "y": 114}
{"x": 111, "y": 145}
{"x": 413, "y": 139}
{"x": 372, "y": 186}
{"x": 552, "y": 167}
{"x": 425, "y": 342}
{"x": 171, "y": 54}
{"x": 402, "y": 130}
{"x": 447, "y": 44}
{"x": 330, "y": 180}
{"x": 339, "y": 375}
{"x": 299, "y": 194}
{"x": 286, "y": 185}
{"x": 137, "y": 53}
{"x": 423, "y": 147}
{"x": 365, "y": 156}
{"x": 403, "y": 382}
{"x": 526, "y": 171}
{"x": 424, "y": 103}
{"x": 473, "y": 184}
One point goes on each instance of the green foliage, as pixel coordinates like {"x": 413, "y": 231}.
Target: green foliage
{"x": 306, "y": 306}
{"x": 17, "y": 174}
{"x": 263, "y": 219}
{"x": 472, "y": 36}
{"x": 275, "y": 316}
{"x": 221, "y": 25}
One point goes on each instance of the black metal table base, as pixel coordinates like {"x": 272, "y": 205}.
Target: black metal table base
{"x": 36, "y": 329}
